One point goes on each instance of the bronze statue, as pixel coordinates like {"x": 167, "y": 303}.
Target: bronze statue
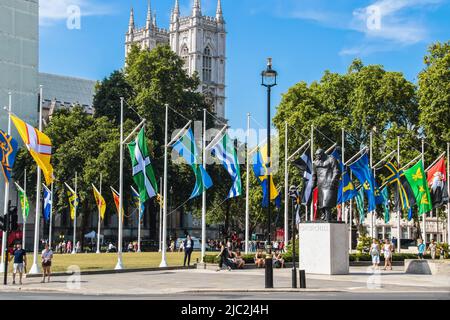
{"x": 326, "y": 175}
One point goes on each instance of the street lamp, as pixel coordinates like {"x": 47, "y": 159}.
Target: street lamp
{"x": 269, "y": 80}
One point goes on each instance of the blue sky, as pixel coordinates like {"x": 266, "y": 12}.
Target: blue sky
{"x": 304, "y": 37}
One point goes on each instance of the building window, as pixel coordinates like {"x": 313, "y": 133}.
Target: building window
{"x": 207, "y": 65}
{"x": 185, "y": 58}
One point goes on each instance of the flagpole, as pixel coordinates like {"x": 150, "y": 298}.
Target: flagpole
{"x": 351, "y": 217}
{"x": 424, "y": 231}
{"x": 399, "y": 213}
{"x": 448, "y": 192}
{"x": 312, "y": 167}
{"x": 160, "y": 214}
{"x": 139, "y": 227}
{"x": 50, "y": 228}
{"x": 5, "y": 204}
{"x": 164, "y": 226}
{"x": 24, "y": 227}
{"x": 99, "y": 217}
{"x": 75, "y": 206}
{"x": 119, "y": 265}
{"x": 35, "y": 267}
{"x": 371, "y": 165}
{"x": 247, "y": 188}
{"x": 204, "y": 191}
{"x": 343, "y": 161}
{"x": 286, "y": 186}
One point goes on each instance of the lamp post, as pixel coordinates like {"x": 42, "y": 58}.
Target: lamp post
{"x": 269, "y": 80}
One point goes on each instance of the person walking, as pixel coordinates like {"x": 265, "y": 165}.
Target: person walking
{"x": 387, "y": 252}
{"x": 20, "y": 263}
{"x": 188, "y": 245}
{"x": 375, "y": 253}
{"x": 421, "y": 249}
{"x": 47, "y": 256}
{"x": 432, "y": 248}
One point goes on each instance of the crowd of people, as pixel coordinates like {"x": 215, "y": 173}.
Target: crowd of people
{"x": 64, "y": 247}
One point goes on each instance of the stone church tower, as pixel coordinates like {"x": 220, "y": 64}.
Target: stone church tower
{"x": 199, "y": 40}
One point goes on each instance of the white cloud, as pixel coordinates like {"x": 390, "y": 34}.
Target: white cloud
{"x": 51, "y": 11}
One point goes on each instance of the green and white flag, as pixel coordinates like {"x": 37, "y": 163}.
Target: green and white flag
{"x": 143, "y": 174}
{"x": 24, "y": 204}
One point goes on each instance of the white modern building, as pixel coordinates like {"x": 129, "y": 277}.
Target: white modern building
{"x": 199, "y": 40}
{"x": 19, "y": 65}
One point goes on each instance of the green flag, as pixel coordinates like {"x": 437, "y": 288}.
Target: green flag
{"x": 418, "y": 182}
{"x": 23, "y": 202}
{"x": 360, "y": 204}
{"x": 142, "y": 168}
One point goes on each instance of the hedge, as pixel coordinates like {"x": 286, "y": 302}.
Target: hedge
{"x": 249, "y": 258}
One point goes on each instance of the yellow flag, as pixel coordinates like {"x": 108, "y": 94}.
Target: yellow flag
{"x": 73, "y": 203}
{"x": 101, "y": 204}
{"x": 39, "y": 145}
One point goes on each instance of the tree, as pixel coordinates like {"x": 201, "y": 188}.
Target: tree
{"x": 107, "y": 97}
{"x": 366, "y": 98}
{"x": 434, "y": 98}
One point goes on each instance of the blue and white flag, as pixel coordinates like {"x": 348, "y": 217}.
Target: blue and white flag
{"x": 187, "y": 149}
{"x": 48, "y": 203}
{"x": 304, "y": 163}
{"x": 225, "y": 151}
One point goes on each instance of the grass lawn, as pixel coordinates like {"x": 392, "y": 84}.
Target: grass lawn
{"x": 107, "y": 261}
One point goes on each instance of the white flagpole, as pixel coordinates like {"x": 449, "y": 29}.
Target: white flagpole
{"x": 247, "y": 188}
{"x": 119, "y": 265}
{"x": 372, "y": 215}
{"x": 50, "y": 228}
{"x": 160, "y": 215}
{"x": 399, "y": 213}
{"x": 448, "y": 192}
{"x": 286, "y": 186}
{"x": 23, "y": 210}
{"x": 164, "y": 226}
{"x": 74, "y": 243}
{"x": 35, "y": 267}
{"x": 204, "y": 191}
{"x": 139, "y": 227}
{"x": 344, "y": 214}
{"x": 351, "y": 218}
{"x": 99, "y": 218}
{"x": 5, "y": 204}
{"x": 424, "y": 216}
{"x": 312, "y": 167}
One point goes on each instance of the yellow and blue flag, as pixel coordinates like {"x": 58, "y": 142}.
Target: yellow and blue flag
{"x": 364, "y": 174}
{"x": 262, "y": 174}
{"x": 73, "y": 201}
{"x": 346, "y": 190}
{"x": 9, "y": 148}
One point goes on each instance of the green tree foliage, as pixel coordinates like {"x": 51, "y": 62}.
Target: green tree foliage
{"x": 434, "y": 97}
{"x": 107, "y": 97}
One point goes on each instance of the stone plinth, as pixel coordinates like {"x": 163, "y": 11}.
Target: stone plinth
{"x": 324, "y": 248}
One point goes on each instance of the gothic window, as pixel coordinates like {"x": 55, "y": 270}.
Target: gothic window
{"x": 207, "y": 64}
{"x": 185, "y": 57}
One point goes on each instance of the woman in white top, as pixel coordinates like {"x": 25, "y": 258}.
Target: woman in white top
{"x": 47, "y": 256}
{"x": 387, "y": 252}
{"x": 375, "y": 253}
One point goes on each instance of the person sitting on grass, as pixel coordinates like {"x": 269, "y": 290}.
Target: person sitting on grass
{"x": 239, "y": 260}
{"x": 259, "y": 259}
{"x": 278, "y": 259}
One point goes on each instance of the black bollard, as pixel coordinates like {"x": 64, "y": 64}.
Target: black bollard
{"x": 294, "y": 278}
{"x": 302, "y": 279}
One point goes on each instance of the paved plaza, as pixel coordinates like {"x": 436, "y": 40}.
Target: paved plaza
{"x": 246, "y": 284}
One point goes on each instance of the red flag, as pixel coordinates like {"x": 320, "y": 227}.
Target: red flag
{"x": 315, "y": 200}
{"x": 436, "y": 178}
